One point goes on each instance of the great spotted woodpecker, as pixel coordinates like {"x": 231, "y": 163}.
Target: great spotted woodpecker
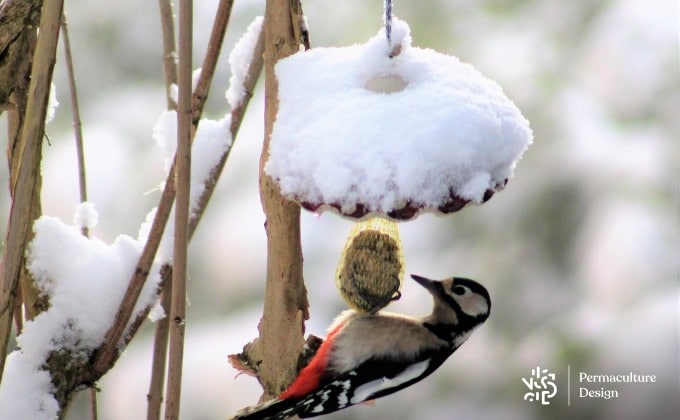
{"x": 365, "y": 357}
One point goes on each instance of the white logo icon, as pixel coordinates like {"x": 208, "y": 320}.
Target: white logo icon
{"x": 541, "y": 386}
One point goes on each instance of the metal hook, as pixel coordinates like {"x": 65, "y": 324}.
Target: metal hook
{"x": 388, "y": 22}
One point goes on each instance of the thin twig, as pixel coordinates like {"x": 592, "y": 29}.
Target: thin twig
{"x": 237, "y": 114}
{"x": 200, "y": 95}
{"x": 25, "y": 189}
{"x": 182, "y": 209}
{"x": 78, "y": 133}
{"x": 93, "y": 405}
{"x": 160, "y": 344}
{"x": 160, "y": 350}
{"x": 106, "y": 355}
{"x": 155, "y": 396}
{"x": 75, "y": 109}
{"x": 169, "y": 53}
{"x": 219, "y": 28}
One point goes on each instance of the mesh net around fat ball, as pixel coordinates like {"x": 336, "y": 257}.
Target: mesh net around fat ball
{"x": 371, "y": 268}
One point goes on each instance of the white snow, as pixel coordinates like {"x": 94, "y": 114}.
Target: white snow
{"x": 52, "y": 104}
{"x": 195, "y": 77}
{"x": 338, "y": 140}
{"x": 401, "y": 33}
{"x": 174, "y": 88}
{"x": 85, "y": 280}
{"x": 29, "y": 397}
{"x": 165, "y": 250}
{"x": 85, "y": 216}
{"x": 157, "y": 312}
{"x": 174, "y": 92}
{"x": 165, "y": 134}
{"x": 212, "y": 140}
{"x": 239, "y": 61}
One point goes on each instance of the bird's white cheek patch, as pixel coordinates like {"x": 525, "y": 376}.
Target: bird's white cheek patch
{"x": 474, "y": 306}
{"x": 368, "y": 389}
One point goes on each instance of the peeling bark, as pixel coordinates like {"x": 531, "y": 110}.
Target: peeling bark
{"x": 286, "y": 307}
{"x": 25, "y": 155}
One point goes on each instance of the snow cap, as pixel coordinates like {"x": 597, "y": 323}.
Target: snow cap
{"x": 368, "y": 129}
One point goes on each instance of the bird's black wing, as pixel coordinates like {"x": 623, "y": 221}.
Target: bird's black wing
{"x": 372, "y": 379}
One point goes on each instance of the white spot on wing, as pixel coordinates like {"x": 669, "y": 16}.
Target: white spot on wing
{"x": 324, "y": 397}
{"x": 342, "y": 397}
{"x": 365, "y": 391}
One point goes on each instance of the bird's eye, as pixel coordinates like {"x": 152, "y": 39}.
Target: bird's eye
{"x": 458, "y": 290}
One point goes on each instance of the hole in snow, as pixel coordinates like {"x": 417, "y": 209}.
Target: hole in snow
{"x": 386, "y": 84}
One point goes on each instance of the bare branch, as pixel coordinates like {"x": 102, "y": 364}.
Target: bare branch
{"x": 182, "y": 209}
{"x": 75, "y": 111}
{"x": 169, "y": 53}
{"x": 286, "y": 306}
{"x": 107, "y": 354}
{"x": 160, "y": 344}
{"x": 219, "y": 28}
{"x": 18, "y": 23}
{"x": 80, "y": 153}
{"x": 27, "y": 186}
{"x": 93, "y": 405}
{"x": 237, "y": 114}
{"x": 160, "y": 347}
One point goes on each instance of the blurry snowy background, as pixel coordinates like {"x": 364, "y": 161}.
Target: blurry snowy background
{"x": 580, "y": 252}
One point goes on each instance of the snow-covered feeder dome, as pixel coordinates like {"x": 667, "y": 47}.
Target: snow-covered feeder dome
{"x": 360, "y": 132}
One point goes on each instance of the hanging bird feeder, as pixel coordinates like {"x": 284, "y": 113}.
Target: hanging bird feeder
{"x": 388, "y": 129}
{"x": 371, "y": 268}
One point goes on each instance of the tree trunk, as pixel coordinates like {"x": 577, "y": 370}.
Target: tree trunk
{"x": 285, "y": 307}
{"x": 18, "y": 23}
{"x": 25, "y": 166}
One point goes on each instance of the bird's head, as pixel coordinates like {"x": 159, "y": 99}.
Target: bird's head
{"x": 457, "y": 301}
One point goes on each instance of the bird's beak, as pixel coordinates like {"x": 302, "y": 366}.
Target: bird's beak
{"x": 428, "y": 284}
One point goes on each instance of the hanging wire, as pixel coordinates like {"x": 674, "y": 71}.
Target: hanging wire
{"x": 388, "y": 22}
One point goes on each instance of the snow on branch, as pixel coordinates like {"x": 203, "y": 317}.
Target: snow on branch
{"x": 240, "y": 60}
{"x": 85, "y": 280}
